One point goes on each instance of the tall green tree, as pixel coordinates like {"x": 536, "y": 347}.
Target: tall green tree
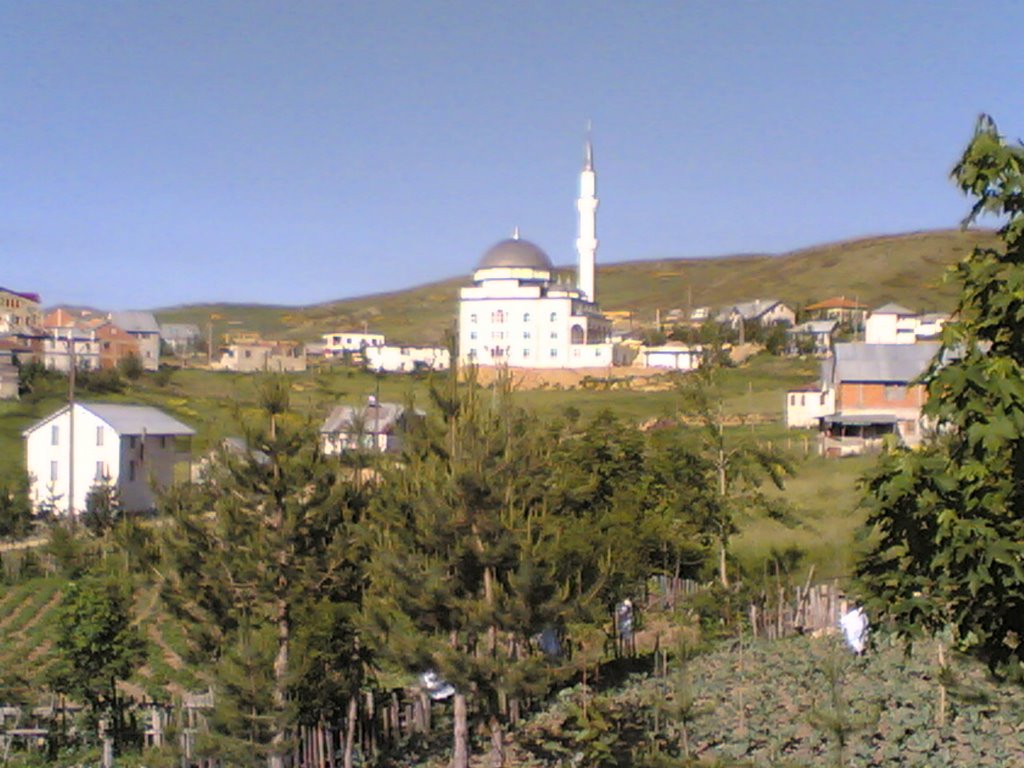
{"x": 736, "y": 464}
{"x": 460, "y": 580}
{"x": 96, "y": 646}
{"x": 250, "y": 554}
{"x": 947, "y": 522}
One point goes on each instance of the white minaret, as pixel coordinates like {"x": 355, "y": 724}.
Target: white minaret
{"x": 586, "y": 243}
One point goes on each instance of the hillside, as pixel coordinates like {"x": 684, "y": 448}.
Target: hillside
{"x": 905, "y": 268}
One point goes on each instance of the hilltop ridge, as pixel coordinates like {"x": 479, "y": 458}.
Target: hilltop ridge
{"x": 907, "y": 268}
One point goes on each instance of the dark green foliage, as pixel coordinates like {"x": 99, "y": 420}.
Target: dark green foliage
{"x": 130, "y": 366}
{"x": 96, "y": 645}
{"x": 102, "y": 508}
{"x": 948, "y": 522}
{"x": 251, "y": 558}
{"x": 15, "y": 509}
{"x": 104, "y": 381}
{"x": 72, "y": 552}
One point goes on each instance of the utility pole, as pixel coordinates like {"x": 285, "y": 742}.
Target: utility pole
{"x": 71, "y": 421}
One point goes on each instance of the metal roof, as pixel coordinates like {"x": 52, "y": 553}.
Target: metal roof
{"x": 748, "y": 310}
{"x": 890, "y": 363}
{"x": 126, "y": 419}
{"x": 815, "y": 326}
{"x": 515, "y": 253}
{"x": 136, "y": 321}
{"x": 893, "y": 309}
{"x": 376, "y": 419}
{"x": 860, "y": 419}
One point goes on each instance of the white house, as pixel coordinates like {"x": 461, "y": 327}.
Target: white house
{"x": 391, "y": 358}
{"x": 805, "y": 406}
{"x": 817, "y": 332}
{"x": 763, "y": 311}
{"x": 375, "y": 426}
{"x": 518, "y": 314}
{"x": 133, "y": 447}
{"x": 679, "y": 357}
{"x": 143, "y": 327}
{"x": 338, "y": 343}
{"x": 61, "y": 343}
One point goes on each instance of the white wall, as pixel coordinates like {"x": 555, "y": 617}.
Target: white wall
{"x": 805, "y": 407}
{"x": 396, "y": 359}
{"x": 154, "y": 463}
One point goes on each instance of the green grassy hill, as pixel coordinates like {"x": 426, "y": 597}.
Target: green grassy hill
{"x": 905, "y": 268}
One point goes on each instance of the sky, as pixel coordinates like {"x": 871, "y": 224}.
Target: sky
{"x": 160, "y": 153}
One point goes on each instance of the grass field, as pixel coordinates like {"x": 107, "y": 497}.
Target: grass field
{"x": 903, "y": 268}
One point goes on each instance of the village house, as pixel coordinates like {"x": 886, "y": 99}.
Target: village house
{"x": 805, "y": 406}
{"x": 391, "y": 358}
{"x": 674, "y": 355}
{"x": 374, "y": 427}
{"x": 66, "y": 339}
{"x": 115, "y": 344}
{"x": 146, "y": 331}
{"x": 262, "y": 355}
{"x": 182, "y": 338}
{"x": 816, "y": 335}
{"x": 134, "y": 448}
{"x": 8, "y": 375}
{"x": 762, "y": 311}
{"x": 338, "y": 343}
{"x": 18, "y": 310}
{"x": 841, "y": 309}
{"x": 875, "y": 395}
{"x": 893, "y": 324}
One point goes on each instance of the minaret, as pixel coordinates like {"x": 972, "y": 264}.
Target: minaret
{"x": 586, "y": 243}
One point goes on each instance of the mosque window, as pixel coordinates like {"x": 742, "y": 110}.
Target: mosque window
{"x": 554, "y": 334}
{"x": 472, "y": 354}
{"x": 526, "y": 353}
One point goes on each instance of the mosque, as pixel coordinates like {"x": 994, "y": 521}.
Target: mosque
{"x": 517, "y": 314}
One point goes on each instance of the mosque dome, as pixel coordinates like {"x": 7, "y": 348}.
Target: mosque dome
{"x": 517, "y": 254}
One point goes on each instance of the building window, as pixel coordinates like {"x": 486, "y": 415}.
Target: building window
{"x": 803, "y": 400}
{"x": 822, "y": 399}
{"x": 100, "y": 471}
{"x": 526, "y": 334}
{"x": 554, "y": 353}
{"x": 131, "y": 471}
{"x": 554, "y": 334}
{"x": 554, "y": 316}
{"x": 472, "y": 334}
{"x": 54, "y": 435}
{"x": 472, "y": 318}
{"x": 472, "y": 354}
{"x": 248, "y": 353}
{"x": 895, "y": 392}
{"x": 526, "y": 317}
{"x": 53, "y": 471}
{"x": 99, "y": 435}
{"x": 163, "y": 441}
{"x": 526, "y": 353}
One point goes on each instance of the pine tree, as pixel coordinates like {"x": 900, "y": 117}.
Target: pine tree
{"x": 460, "y": 582}
{"x": 251, "y": 552}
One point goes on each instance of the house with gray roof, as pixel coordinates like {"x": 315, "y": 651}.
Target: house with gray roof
{"x": 182, "y": 338}
{"x": 877, "y": 393}
{"x": 375, "y": 426}
{"x": 763, "y": 311}
{"x": 145, "y": 329}
{"x": 133, "y": 448}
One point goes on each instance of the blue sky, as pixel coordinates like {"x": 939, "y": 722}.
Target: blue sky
{"x": 156, "y": 153}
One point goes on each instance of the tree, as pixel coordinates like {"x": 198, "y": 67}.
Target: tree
{"x": 736, "y": 465}
{"x": 130, "y": 366}
{"x": 102, "y": 508}
{"x": 248, "y": 556}
{"x": 947, "y": 522}
{"x": 96, "y": 645}
{"x": 15, "y": 509}
{"x": 460, "y": 576}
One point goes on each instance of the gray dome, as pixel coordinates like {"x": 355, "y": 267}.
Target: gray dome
{"x": 515, "y": 253}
